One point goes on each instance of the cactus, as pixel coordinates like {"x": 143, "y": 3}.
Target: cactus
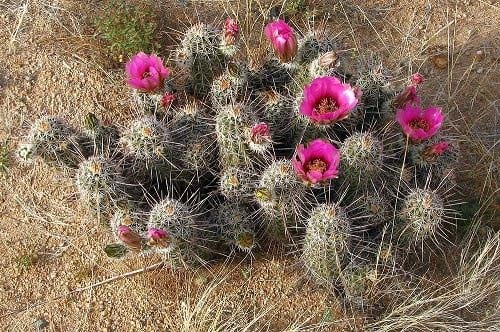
{"x": 151, "y": 103}
{"x": 175, "y": 231}
{"x": 278, "y": 112}
{"x": 312, "y": 45}
{"x": 359, "y": 281}
{"x": 55, "y": 142}
{"x": 202, "y": 55}
{"x": 373, "y": 80}
{"x": 192, "y": 132}
{"x": 423, "y": 213}
{"x": 362, "y": 158}
{"x": 148, "y": 143}
{"x": 284, "y": 200}
{"x": 226, "y": 137}
{"x": 436, "y": 155}
{"x": 25, "y": 153}
{"x": 377, "y": 207}
{"x": 235, "y": 226}
{"x": 227, "y": 88}
{"x": 236, "y": 184}
{"x": 327, "y": 242}
{"x": 101, "y": 184}
{"x": 103, "y": 138}
{"x": 323, "y": 65}
{"x": 270, "y": 74}
{"x": 233, "y": 126}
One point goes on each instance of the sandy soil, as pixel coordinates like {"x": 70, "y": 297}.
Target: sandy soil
{"x": 52, "y": 63}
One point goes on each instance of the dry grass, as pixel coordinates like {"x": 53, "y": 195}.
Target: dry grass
{"x": 51, "y": 63}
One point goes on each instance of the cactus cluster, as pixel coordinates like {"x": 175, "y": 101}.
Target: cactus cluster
{"x": 238, "y": 156}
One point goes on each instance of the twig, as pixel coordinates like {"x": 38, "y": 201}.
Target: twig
{"x": 153, "y": 267}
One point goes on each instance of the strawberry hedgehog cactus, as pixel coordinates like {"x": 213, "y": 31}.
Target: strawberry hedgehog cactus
{"x": 228, "y": 157}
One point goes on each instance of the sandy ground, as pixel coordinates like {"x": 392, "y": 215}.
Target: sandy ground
{"x": 52, "y": 63}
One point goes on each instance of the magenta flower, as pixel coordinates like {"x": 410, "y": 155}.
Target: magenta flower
{"x": 409, "y": 94}
{"x": 158, "y": 237}
{"x": 260, "y": 133}
{"x": 167, "y": 99}
{"x": 434, "y": 151}
{"x": 417, "y": 79}
{"x": 282, "y": 38}
{"x": 407, "y": 97}
{"x": 130, "y": 238}
{"x": 145, "y": 72}
{"x": 327, "y": 100}
{"x": 231, "y": 30}
{"x": 419, "y": 124}
{"x": 439, "y": 148}
{"x": 317, "y": 162}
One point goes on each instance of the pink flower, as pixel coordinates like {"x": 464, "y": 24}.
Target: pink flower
{"x": 282, "y": 38}
{"x": 407, "y": 97}
{"x": 439, "y": 148}
{"x": 145, "y": 72}
{"x": 417, "y": 79}
{"x": 317, "y": 162}
{"x": 231, "y": 30}
{"x": 130, "y": 238}
{"x": 260, "y": 133}
{"x": 419, "y": 124}
{"x": 158, "y": 237}
{"x": 327, "y": 100}
{"x": 434, "y": 151}
{"x": 409, "y": 94}
{"x": 167, "y": 99}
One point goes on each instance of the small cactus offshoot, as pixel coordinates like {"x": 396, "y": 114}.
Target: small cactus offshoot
{"x": 175, "y": 229}
{"x": 362, "y": 157}
{"x": 53, "y": 140}
{"x": 100, "y": 183}
{"x": 326, "y": 243}
{"x": 235, "y": 225}
{"x": 423, "y": 213}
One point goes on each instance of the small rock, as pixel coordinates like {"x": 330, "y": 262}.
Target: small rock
{"x": 479, "y": 56}
{"x": 440, "y": 61}
{"x": 40, "y": 324}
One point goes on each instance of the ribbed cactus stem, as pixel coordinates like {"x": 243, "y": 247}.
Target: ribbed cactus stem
{"x": 282, "y": 197}
{"x": 233, "y": 125}
{"x": 422, "y": 212}
{"x": 235, "y": 225}
{"x": 362, "y": 157}
{"x": 101, "y": 184}
{"x": 147, "y": 142}
{"x": 236, "y": 183}
{"x": 326, "y": 243}
{"x": 227, "y": 88}
{"x": 200, "y": 53}
{"x": 56, "y": 142}
{"x": 185, "y": 236}
{"x": 312, "y": 45}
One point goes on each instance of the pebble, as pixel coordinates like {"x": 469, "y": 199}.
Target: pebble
{"x": 40, "y": 324}
{"x": 440, "y": 61}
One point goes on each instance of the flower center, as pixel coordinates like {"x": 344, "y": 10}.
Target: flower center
{"x": 146, "y": 74}
{"x": 326, "y": 105}
{"x": 316, "y": 165}
{"x": 419, "y": 124}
